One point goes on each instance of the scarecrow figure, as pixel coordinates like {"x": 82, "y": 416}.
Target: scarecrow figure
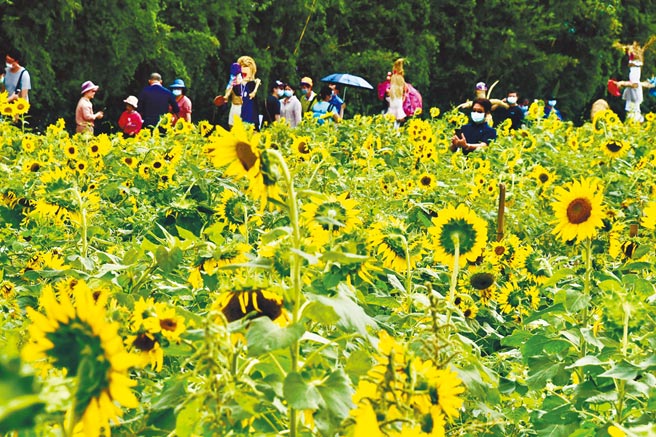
{"x": 633, "y": 87}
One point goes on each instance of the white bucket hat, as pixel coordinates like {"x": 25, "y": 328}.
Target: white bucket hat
{"x": 132, "y": 100}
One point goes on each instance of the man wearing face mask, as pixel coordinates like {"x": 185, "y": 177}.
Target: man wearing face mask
{"x": 551, "y": 107}
{"x": 272, "y": 103}
{"x": 179, "y": 90}
{"x": 309, "y": 97}
{"x": 477, "y": 133}
{"x": 512, "y": 112}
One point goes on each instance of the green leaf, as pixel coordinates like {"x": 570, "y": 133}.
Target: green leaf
{"x": 171, "y": 396}
{"x": 264, "y": 336}
{"x": 320, "y": 313}
{"x": 336, "y": 392}
{"x": 299, "y": 393}
{"x": 167, "y": 259}
{"x": 188, "y": 417}
{"x": 351, "y": 315}
{"x": 343, "y": 258}
{"x": 358, "y": 364}
{"x": 517, "y": 338}
{"x": 622, "y": 370}
{"x": 394, "y": 281}
{"x": 588, "y": 360}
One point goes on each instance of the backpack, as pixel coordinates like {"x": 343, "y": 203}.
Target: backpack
{"x": 412, "y": 100}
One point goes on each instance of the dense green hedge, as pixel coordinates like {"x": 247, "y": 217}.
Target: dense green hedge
{"x": 557, "y": 46}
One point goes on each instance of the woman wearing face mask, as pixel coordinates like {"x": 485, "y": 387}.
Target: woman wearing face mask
{"x": 178, "y": 89}
{"x": 290, "y": 107}
{"x": 477, "y": 133}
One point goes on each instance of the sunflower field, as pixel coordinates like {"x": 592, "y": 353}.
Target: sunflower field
{"x": 347, "y": 279}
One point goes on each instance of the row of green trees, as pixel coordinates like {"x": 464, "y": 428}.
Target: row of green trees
{"x": 561, "y": 47}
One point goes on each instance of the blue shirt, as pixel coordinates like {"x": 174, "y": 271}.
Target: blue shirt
{"x": 337, "y": 102}
{"x": 478, "y": 133}
{"x": 154, "y": 101}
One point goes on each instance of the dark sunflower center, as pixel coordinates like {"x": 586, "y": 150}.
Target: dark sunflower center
{"x": 614, "y": 146}
{"x": 168, "y": 324}
{"x": 94, "y": 149}
{"x": 245, "y": 155}
{"x": 128, "y": 161}
{"x": 543, "y": 177}
{"x": 71, "y": 150}
{"x": 499, "y": 250}
{"x": 35, "y": 167}
{"x": 425, "y": 181}
{"x": 481, "y": 281}
{"x": 303, "y": 147}
{"x": 144, "y": 343}
{"x": 579, "y": 210}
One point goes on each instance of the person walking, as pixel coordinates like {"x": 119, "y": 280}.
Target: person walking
{"x": 179, "y": 90}
{"x": 155, "y": 100}
{"x": 130, "y": 120}
{"x": 17, "y": 81}
{"x": 84, "y": 115}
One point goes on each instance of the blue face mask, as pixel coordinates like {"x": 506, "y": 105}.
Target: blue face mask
{"x": 304, "y": 91}
{"x": 287, "y": 93}
{"x": 281, "y": 93}
{"x": 551, "y": 103}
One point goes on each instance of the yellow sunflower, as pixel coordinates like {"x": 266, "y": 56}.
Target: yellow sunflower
{"x": 73, "y": 334}
{"x": 578, "y": 210}
{"x": 426, "y": 181}
{"x": 234, "y": 210}
{"x": 615, "y": 148}
{"x": 301, "y": 147}
{"x": 458, "y": 227}
{"x": 389, "y": 241}
{"x": 542, "y": 176}
{"x": 330, "y": 215}
{"x": 21, "y": 106}
{"x": 649, "y": 218}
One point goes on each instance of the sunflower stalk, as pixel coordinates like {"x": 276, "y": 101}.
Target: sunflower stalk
{"x": 454, "y": 280}
{"x": 83, "y": 223}
{"x": 587, "y": 278}
{"x": 295, "y": 270}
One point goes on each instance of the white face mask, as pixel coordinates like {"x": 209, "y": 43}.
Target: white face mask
{"x": 8, "y": 65}
{"x": 477, "y": 117}
{"x": 551, "y": 103}
{"x": 177, "y": 92}
{"x": 512, "y": 100}
{"x": 281, "y": 93}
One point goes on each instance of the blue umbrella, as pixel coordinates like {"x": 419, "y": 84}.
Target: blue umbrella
{"x": 348, "y": 80}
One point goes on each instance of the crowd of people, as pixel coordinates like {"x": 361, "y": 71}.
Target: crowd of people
{"x": 402, "y": 101}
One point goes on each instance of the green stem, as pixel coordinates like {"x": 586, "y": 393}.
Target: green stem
{"x": 454, "y": 281}
{"x": 84, "y": 226}
{"x": 587, "y": 254}
{"x": 295, "y": 271}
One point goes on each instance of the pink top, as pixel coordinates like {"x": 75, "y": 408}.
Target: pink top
{"x": 84, "y": 116}
{"x": 130, "y": 122}
{"x": 185, "y": 108}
